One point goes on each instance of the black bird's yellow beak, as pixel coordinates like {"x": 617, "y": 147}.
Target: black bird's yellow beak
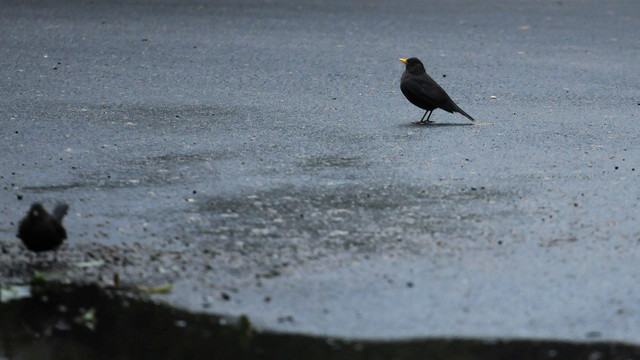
{"x": 403, "y": 60}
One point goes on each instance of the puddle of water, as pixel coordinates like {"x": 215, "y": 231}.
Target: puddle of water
{"x": 87, "y": 322}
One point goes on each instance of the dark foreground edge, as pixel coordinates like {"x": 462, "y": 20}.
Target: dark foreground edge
{"x": 88, "y": 322}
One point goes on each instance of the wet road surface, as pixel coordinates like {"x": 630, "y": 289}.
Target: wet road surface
{"x": 260, "y": 157}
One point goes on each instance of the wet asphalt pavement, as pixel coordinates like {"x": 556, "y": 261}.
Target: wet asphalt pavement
{"x": 260, "y": 157}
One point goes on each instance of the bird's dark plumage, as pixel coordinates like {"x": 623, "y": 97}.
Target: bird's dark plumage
{"x": 41, "y": 231}
{"x": 422, "y": 91}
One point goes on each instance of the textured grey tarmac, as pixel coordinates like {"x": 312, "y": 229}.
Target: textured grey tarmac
{"x": 260, "y": 156}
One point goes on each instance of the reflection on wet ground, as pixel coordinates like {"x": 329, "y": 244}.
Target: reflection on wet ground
{"x": 86, "y": 322}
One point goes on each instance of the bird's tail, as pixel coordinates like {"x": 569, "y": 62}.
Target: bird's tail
{"x": 464, "y": 113}
{"x": 60, "y": 211}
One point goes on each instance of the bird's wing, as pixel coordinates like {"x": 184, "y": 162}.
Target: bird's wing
{"x": 60, "y": 230}
{"x": 428, "y": 88}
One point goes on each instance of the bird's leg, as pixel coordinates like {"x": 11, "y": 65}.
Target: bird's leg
{"x": 427, "y": 121}
{"x": 423, "y": 121}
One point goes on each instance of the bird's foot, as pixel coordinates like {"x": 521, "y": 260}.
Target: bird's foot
{"x": 424, "y": 122}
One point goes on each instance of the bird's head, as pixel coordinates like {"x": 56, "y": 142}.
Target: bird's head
{"x": 413, "y": 65}
{"x": 36, "y": 210}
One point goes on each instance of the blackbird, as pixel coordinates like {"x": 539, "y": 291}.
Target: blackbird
{"x": 41, "y": 231}
{"x": 422, "y": 91}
